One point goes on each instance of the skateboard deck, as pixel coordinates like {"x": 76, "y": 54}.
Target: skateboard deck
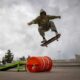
{"x": 51, "y": 40}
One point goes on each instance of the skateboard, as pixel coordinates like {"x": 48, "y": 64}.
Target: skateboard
{"x": 51, "y": 40}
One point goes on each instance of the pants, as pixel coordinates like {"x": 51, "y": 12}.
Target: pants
{"x": 43, "y": 29}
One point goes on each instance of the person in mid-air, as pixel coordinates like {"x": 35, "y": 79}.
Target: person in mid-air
{"x": 44, "y": 23}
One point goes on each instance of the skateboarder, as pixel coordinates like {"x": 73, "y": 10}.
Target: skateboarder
{"x": 44, "y": 23}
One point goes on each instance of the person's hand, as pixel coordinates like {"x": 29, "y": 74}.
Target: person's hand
{"x": 59, "y": 17}
{"x": 29, "y": 23}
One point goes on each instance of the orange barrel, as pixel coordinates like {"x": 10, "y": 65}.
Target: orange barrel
{"x": 49, "y": 63}
{"x": 39, "y": 64}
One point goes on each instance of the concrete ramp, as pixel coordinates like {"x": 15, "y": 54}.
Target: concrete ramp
{"x": 10, "y": 66}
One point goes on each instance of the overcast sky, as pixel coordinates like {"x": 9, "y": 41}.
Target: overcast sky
{"x": 24, "y": 40}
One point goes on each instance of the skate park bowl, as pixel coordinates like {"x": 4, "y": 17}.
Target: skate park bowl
{"x": 39, "y": 64}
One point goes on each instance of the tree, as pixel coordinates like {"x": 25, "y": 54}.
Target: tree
{"x": 3, "y": 61}
{"x": 9, "y": 56}
{"x": 22, "y": 58}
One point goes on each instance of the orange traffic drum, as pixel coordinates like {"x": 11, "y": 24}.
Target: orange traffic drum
{"x": 39, "y": 64}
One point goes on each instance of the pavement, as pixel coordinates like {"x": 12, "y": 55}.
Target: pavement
{"x": 57, "y": 73}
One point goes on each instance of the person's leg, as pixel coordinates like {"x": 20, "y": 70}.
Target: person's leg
{"x": 42, "y": 33}
{"x": 53, "y": 27}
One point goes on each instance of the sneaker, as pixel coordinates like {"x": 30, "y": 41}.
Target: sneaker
{"x": 44, "y": 40}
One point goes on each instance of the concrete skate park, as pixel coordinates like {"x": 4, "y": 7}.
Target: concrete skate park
{"x": 62, "y": 70}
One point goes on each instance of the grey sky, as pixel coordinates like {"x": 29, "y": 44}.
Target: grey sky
{"x": 24, "y": 40}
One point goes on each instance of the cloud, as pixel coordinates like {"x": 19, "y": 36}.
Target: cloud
{"x": 22, "y": 39}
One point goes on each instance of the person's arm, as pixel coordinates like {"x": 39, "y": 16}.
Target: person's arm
{"x": 54, "y": 17}
{"x": 33, "y": 21}
{"x": 30, "y": 23}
